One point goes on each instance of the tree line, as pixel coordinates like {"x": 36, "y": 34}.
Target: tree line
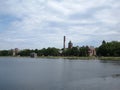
{"x": 75, "y": 51}
{"x": 105, "y": 49}
{"x": 109, "y": 49}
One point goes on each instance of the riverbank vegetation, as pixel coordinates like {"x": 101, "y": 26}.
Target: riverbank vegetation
{"x": 75, "y": 51}
{"x": 106, "y": 51}
{"x": 109, "y": 49}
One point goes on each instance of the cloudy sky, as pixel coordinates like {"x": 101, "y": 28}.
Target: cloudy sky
{"x": 43, "y": 23}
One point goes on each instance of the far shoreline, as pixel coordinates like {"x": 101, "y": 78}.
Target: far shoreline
{"x": 71, "y": 57}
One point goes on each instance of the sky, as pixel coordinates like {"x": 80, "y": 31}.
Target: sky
{"x": 43, "y": 23}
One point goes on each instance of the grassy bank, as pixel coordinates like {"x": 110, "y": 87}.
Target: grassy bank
{"x": 68, "y": 57}
{"x": 80, "y": 58}
{"x": 109, "y": 58}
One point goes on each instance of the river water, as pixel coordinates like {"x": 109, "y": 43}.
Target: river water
{"x": 58, "y": 74}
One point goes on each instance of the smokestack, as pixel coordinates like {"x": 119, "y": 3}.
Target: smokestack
{"x": 64, "y": 39}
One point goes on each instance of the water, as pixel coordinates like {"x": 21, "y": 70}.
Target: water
{"x": 58, "y": 74}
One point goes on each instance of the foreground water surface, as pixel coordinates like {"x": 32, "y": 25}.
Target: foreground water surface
{"x": 58, "y": 74}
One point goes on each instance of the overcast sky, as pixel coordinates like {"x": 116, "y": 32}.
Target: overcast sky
{"x": 43, "y": 23}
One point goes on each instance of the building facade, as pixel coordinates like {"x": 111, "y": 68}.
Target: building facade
{"x": 15, "y": 51}
{"x": 92, "y": 51}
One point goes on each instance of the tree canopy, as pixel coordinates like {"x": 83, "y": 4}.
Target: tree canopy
{"x": 109, "y": 49}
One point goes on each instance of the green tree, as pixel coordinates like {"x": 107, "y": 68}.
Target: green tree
{"x": 25, "y": 52}
{"x": 84, "y": 51}
{"x": 103, "y": 42}
{"x": 109, "y": 49}
{"x": 4, "y": 53}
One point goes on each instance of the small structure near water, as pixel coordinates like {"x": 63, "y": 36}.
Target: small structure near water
{"x": 33, "y": 55}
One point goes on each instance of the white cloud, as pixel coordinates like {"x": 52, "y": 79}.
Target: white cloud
{"x": 108, "y": 16}
{"x": 43, "y": 23}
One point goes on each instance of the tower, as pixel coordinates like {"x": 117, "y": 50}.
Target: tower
{"x": 70, "y": 44}
{"x": 64, "y": 39}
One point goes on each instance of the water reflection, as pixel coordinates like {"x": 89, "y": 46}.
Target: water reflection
{"x": 114, "y": 62}
{"x": 58, "y": 74}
